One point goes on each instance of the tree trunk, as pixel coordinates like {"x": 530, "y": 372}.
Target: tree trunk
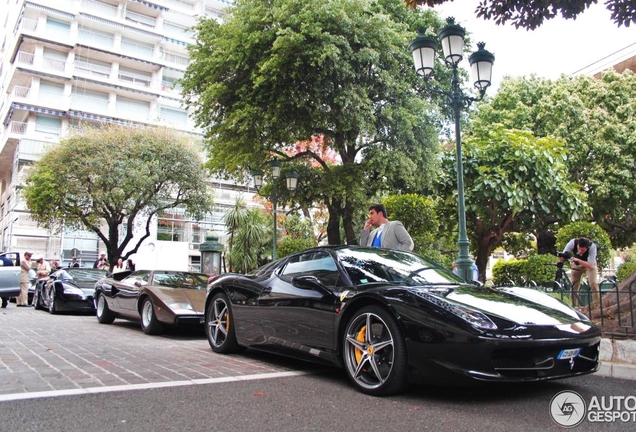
{"x": 333, "y": 224}
{"x": 617, "y": 311}
{"x": 347, "y": 222}
{"x": 546, "y": 241}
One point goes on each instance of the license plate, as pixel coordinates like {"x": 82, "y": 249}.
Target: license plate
{"x": 568, "y": 353}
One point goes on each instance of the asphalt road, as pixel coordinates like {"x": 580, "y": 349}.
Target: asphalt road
{"x": 69, "y": 373}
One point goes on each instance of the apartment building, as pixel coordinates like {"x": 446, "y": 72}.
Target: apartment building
{"x": 69, "y": 62}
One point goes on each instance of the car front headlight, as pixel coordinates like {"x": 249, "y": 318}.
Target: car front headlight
{"x": 73, "y": 291}
{"x": 471, "y": 316}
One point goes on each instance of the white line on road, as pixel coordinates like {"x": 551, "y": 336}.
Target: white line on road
{"x": 145, "y": 386}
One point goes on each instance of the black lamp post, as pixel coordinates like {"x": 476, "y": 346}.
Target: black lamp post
{"x": 424, "y": 49}
{"x": 292, "y": 181}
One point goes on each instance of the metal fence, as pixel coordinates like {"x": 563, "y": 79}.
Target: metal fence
{"x": 615, "y": 313}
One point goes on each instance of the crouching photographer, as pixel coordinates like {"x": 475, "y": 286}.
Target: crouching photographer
{"x": 582, "y": 255}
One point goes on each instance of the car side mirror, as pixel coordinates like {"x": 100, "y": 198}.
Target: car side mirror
{"x": 309, "y": 283}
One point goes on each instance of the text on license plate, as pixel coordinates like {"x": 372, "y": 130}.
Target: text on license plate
{"x": 567, "y": 354}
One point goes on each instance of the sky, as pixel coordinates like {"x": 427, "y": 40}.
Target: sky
{"x": 590, "y": 43}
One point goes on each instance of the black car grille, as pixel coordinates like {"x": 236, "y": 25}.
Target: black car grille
{"x": 542, "y": 362}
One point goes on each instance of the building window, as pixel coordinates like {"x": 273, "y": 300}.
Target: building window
{"x": 49, "y": 125}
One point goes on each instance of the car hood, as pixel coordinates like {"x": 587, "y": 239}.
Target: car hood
{"x": 196, "y": 298}
{"x": 523, "y": 306}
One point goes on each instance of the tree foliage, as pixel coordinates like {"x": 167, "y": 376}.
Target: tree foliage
{"x": 596, "y": 119}
{"x": 531, "y": 14}
{"x": 512, "y": 182}
{"x": 117, "y": 176}
{"x": 278, "y": 72}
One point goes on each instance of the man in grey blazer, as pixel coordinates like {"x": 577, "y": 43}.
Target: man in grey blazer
{"x": 387, "y": 234}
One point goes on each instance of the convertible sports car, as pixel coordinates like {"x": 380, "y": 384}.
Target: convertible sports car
{"x": 392, "y": 317}
{"x": 156, "y": 298}
{"x": 69, "y": 289}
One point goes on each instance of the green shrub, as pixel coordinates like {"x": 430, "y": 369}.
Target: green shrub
{"x": 508, "y": 272}
{"x": 536, "y": 268}
{"x": 290, "y": 245}
{"x": 625, "y": 270}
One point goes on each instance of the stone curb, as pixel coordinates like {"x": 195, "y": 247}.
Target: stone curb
{"x": 618, "y": 359}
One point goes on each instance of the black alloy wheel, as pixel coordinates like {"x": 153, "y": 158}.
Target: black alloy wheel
{"x": 374, "y": 352}
{"x": 219, "y": 325}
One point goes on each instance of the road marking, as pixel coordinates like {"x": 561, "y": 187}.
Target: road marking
{"x": 146, "y": 386}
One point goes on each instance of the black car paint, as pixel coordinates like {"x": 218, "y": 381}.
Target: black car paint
{"x": 55, "y": 289}
{"x": 292, "y": 319}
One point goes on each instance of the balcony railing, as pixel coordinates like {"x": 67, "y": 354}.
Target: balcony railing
{"x": 141, "y": 19}
{"x": 18, "y": 127}
{"x": 92, "y": 69}
{"x": 25, "y": 58}
{"x": 21, "y": 92}
{"x": 29, "y": 25}
{"x": 134, "y": 79}
{"x": 175, "y": 58}
{"x": 100, "y": 8}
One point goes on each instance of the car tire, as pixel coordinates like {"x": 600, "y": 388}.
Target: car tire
{"x": 219, "y": 325}
{"x": 37, "y": 301}
{"x": 52, "y": 308}
{"x": 103, "y": 313}
{"x": 149, "y": 322}
{"x": 374, "y": 352}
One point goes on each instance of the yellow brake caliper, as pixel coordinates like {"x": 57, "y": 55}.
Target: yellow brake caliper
{"x": 360, "y": 338}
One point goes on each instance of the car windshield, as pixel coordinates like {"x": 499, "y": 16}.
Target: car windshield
{"x": 181, "y": 280}
{"x": 81, "y": 275}
{"x": 373, "y": 265}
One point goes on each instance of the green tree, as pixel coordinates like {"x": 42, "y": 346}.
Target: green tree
{"x": 512, "y": 182}
{"x": 531, "y": 14}
{"x": 249, "y": 240}
{"x": 596, "y": 119}
{"x": 117, "y": 176}
{"x": 233, "y": 220}
{"x": 278, "y": 72}
{"x": 298, "y": 236}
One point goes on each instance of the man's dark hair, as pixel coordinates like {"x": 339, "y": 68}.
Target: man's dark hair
{"x": 379, "y": 208}
{"x": 584, "y": 242}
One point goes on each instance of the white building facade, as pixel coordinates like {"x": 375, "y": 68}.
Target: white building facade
{"x": 70, "y": 62}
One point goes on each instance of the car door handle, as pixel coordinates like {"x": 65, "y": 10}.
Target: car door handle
{"x": 266, "y": 290}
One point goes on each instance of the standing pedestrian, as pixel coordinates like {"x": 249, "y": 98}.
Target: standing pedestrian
{"x": 387, "y": 234}
{"x": 25, "y": 266}
{"x": 74, "y": 262}
{"x": 583, "y": 252}
{"x": 101, "y": 262}
{"x": 130, "y": 265}
{"x": 119, "y": 266}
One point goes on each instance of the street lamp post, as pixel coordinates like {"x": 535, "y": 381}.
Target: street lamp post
{"x": 291, "y": 181}
{"x": 424, "y": 48}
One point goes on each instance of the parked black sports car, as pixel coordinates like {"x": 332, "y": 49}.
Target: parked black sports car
{"x": 390, "y": 317}
{"x": 156, "y": 298}
{"x": 68, "y": 289}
